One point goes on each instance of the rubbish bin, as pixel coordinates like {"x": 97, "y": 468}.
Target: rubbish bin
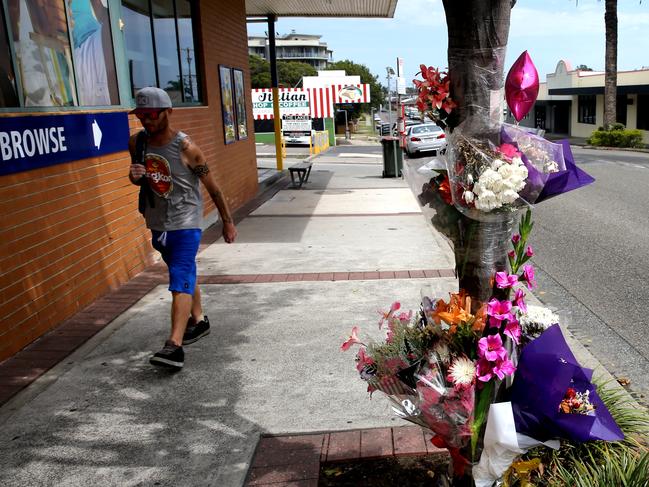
{"x": 392, "y": 157}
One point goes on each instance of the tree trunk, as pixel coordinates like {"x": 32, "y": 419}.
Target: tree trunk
{"x": 477, "y": 39}
{"x": 610, "y": 78}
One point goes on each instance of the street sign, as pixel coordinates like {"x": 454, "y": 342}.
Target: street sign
{"x": 31, "y": 142}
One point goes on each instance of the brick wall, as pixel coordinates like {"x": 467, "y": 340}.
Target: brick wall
{"x": 70, "y": 233}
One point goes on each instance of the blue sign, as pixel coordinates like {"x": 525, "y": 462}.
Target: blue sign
{"x": 31, "y": 142}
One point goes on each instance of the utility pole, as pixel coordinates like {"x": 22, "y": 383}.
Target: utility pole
{"x": 390, "y": 72}
{"x": 189, "y": 75}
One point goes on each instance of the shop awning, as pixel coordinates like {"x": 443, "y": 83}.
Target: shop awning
{"x": 321, "y": 8}
{"x": 599, "y": 90}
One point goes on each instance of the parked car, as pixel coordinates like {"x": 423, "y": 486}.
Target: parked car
{"x": 425, "y": 137}
{"x": 408, "y": 123}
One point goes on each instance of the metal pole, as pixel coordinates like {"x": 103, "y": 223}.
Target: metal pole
{"x": 346, "y": 126}
{"x": 274, "y": 84}
{"x": 389, "y": 102}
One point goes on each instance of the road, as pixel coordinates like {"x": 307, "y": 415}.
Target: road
{"x": 592, "y": 249}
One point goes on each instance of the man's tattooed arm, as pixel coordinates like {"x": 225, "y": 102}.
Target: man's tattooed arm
{"x": 201, "y": 170}
{"x": 221, "y": 204}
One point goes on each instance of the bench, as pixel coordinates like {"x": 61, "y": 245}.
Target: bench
{"x": 303, "y": 169}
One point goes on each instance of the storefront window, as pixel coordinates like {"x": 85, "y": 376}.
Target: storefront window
{"x": 187, "y": 52}
{"x": 164, "y": 30}
{"x": 64, "y": 54}
{"x": 42, "y": 46}
{"x": 643, "y": 112}
{"x": 586, "y": 105}
{"x": 165, "y": 56}
{"x": 8, "y": 93}
{"x": 139, "y": 43}
{"x": 94, "y": 64}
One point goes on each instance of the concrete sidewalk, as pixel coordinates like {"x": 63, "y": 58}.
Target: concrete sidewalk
{"x": 307, "y": 266}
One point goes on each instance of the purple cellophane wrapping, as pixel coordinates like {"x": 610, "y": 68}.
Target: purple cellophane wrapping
{"x": 547, "y": 368}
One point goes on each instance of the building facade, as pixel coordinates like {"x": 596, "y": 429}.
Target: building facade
{"x": 69, "y": 227}
{"x": 304, "y": 48}
{"x": 571, "y": 102}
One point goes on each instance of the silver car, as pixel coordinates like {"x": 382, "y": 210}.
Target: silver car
{"x": 423, "y": 138}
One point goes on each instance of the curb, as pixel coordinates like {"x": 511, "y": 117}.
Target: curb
{"x": 291, "y": 460}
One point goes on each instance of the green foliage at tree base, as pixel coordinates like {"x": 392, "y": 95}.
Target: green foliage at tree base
{"x": 618, "y": 136}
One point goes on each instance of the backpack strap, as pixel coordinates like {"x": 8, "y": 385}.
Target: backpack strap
{"x": 140, "y": 150}
{"x": 146, "y": 195}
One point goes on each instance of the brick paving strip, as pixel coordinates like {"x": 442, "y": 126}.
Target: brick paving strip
{"x": 33, "y": 361}
{"x": 295, "y": 460}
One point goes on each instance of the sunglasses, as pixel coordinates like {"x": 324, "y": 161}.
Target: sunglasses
{"x": 151, "y": 115}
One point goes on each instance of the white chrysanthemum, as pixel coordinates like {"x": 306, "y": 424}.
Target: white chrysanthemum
{"x": 497, "y": 163}
{"x": 488, "y": 177}
{"x": 506, "y": 171}
{"x": 468, "y": 196}
{"x": 509, "y": 196}
{"x": 487, "y": 201}
{"x": 537, "y": 320}
{"x": 462, "y": 372}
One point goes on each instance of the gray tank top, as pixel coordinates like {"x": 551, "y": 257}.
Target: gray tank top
{"x": 178, "y": 204}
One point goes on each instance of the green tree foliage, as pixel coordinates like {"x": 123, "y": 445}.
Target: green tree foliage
{"x": 289, "y": 73}
{"x": 583, "y": 67}
{"x": 259, "y": 72}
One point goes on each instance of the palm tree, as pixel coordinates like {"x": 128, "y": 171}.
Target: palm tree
{"x": 610, "y": 56}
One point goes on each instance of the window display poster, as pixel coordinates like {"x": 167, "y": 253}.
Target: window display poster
{"x": 94, "y": 65}
{"x": 227, "y": 103}
{"x": 240, "y": 104}
{"x": 42, "y": 47}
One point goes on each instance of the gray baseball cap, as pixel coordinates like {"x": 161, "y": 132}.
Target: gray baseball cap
{"x": 151, "y": 98}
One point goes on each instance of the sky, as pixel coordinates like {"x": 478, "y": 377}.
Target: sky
{"x": 550, "y": 30}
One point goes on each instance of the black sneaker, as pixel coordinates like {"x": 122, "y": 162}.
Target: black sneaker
{"x": 171, "y": 356}
{"x": 196, "y": 331}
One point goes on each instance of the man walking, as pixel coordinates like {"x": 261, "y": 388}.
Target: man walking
{"x": 171, "y": 166}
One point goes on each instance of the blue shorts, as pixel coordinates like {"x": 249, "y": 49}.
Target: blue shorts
{"x": 179, "y": 249}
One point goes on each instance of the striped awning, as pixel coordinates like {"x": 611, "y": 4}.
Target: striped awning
{"x": 323, "y": 99}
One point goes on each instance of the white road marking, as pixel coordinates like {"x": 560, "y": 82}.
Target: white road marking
{"x": 357, "y": 154}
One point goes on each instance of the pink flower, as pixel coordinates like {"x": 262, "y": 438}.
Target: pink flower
{"x": 363, "y": 359}
{"x": 516, "y": 238}
{"x": 484, "y": 370}
{"x": 406, "y": 317}
{"x": 491, "y": 348}
{"x": 528, "y": 276}
{"x": 505, "y": 280}
{"x": 352, "y": 340}
{"x": 499, "y": 310}
{"x": 509, "y": 151}
{"x": 513, "y": 330}
{"x": 519, "y": 300}
{"x": 511, "y": 254}
{"x": 387, "y": 315}
{"x": 529, "y": 252}
{"x": 504, "y": 367}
